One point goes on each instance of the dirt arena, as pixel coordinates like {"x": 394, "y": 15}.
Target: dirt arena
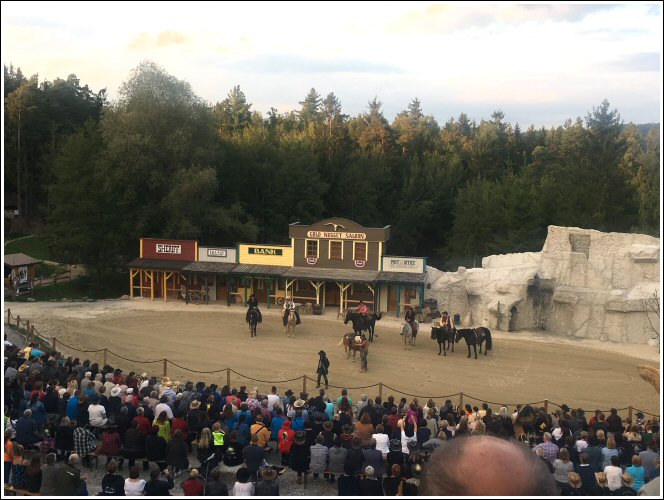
{"x": 523, "y": 367}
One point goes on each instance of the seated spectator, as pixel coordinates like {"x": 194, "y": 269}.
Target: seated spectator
{"x": 49, "y": 475}
{"x": 193, "y": 487}
{"x": 27, "y": 430}
{"x": 156, "y": 487}
{"x": 205, "y": 447}
{"x": 112, "y": 484}
{"x": 164, "y": 425}
{"x": 627, "y": 488}
{"x": 370, "y": 486}
{"x": 349, "y": 483}
{"x": 234, "y": 452}
{"x": 268, "y": 485}
{"x": 614, "y": 473}
{"x": 155, "y": 448}
{"x": 453, "y": 469}
{"x": 19, "y": 467}
{"x": 134, "y": 485}
{"x": 336, "y": 460}
{"x": 215, "y": 486}
{"x": 574, "y": 485}
{"x": 97, "y": 413}
{"x": 393, "y": 485}
{"x": 69, "y": 481}
{"x": 319, "y": 457}
{"x": 111, "y": 445}
{"x": 177, "y": 454}
{"x": 84, "y": 444}
{"x": 33, "y": 475}
{"x": 637, "y": 472}
{"x": 242, "y": 486}
{"x": 562, "y": 466}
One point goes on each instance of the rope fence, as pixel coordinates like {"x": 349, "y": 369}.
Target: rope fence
{"x": 33, "y": 336}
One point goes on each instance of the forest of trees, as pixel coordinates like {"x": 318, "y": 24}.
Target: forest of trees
{"x": 162, "y": 162}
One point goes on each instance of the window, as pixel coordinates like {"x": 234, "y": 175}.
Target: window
{"x": 410, "y": 293}
{"x": 336, "y": 250}
{"x": 360, "y": 250}
{"x": 312, "y": 249}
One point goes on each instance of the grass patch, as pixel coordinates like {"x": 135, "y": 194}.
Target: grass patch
{"x": 85, "y": 287}
{"x": 45, "y": 270}
{"x": 34, "y": 246}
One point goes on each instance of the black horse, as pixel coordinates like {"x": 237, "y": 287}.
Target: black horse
{"x": 474, "y": 337}
{"x": 443, "y": 336}
{"x": 362, "y": 323}
{"x": 254, "y": 318}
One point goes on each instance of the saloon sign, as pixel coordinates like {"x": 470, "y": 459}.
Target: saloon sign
{"x": 332, "y": 235}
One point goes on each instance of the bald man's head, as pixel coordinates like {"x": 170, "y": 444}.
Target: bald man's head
{"x": 486, "y": 465}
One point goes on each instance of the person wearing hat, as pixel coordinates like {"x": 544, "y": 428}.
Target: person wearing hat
{"x": 300, "y": 455}
{"x": 323, "y": 368}
{"x": 602, "y": 488}
{"x": 627, "y": 488}
{"x": 267, "y": 486}
{"x": 243, "y": 487}
{"x": 193, "y": 487}
{"x": 396, "y": 456}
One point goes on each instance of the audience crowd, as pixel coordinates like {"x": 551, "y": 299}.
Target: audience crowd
{"x": 63, "y": 415}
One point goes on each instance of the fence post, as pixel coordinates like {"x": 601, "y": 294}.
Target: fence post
{"x": 18, "y": 322}
{"x": 461, "y": 400}
{"x": 228, "y": 377}
{"x": 9, "y": 316}
{"x": 304, "y": 383}
{"x": 105, "y": 355}
{"x": 165, "y": 367}
{"x": 31, "y": 328}
{"x": 546, "y": 406}
{"x": 28, "y": 331}
{"x": 631, "y": 410}
{"x": 380, "y": 390}
{"x": 54, "y": 344}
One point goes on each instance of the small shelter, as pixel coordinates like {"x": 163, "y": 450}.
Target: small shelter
{"x": 20, "y": 271}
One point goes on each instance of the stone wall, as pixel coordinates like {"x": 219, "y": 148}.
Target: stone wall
{"x": 584, "y": 283}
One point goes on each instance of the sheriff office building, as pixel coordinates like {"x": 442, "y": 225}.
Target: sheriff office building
{"x": 333, "y": 263}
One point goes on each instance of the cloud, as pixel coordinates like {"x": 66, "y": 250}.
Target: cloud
{"x": 166, "y": 38}
{"x": 642, "y": 61}
{"x": 287, "y": 63}
{"x": 448, "y": 18}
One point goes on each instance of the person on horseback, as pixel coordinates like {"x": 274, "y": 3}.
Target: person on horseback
{"x": 410, "y": 316}
{"x": 362, "y": 308}
{"x": 253, "y": 303}
{"x": 289, "y": 306}
{"x": 446, "y": 322}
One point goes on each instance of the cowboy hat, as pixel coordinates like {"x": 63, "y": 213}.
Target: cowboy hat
{"x": 165, "y": 379}
{"x": 195, "y": 404}
{"x": 168, "y": 384}
{"x": 574, "y": 480}
{"x": 268, "y": 473}
{"x": 115, "y": 391}
{"x": 299, "y": 403}
{"x": 601, "y": 478}
{"x": 144, "y": 375}
{"x": 22, "y": 367}
{"x": 322, "y": 353}
{"x": 130, "y": 391}
{"x": 627, "y": 479}
{"x": 300, "y": 437}
{"x": 413, "y": 446}
{"x": 395, "y": 445}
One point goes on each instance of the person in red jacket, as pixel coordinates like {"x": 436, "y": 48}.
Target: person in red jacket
{"x": 193, "y": 487}
{"x": 111, "y": 444}
{"x": 286, "y": 439}
{"x": 144, "y": 425}
{"x": 180, "y": 423}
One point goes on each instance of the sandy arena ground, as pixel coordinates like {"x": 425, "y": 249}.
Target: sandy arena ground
{"x": 522, "y": 367}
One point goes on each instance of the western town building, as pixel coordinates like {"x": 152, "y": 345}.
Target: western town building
{"x": 333, "y": 263}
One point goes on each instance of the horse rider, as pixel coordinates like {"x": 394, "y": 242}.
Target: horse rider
{"x": 289, "y": 306}
{"x": 410, "y": 317}
{"x": 362, "y": 309}
{"x": 446, "y": 322}
{"x": 253, "y": 304}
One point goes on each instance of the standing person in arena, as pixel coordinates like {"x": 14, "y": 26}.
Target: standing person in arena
{"x": 323, "y": 368}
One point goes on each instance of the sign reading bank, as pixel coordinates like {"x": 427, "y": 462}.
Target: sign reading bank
{"x": 271, "y": 255}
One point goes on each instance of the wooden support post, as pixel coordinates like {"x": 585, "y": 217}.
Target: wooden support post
{"x": 9, "y": 316}
{"x": 304, "y": 383}
{"x": 228, "y": 377}
{"x": 28, "y": 331}
{"x": 380, "y": 391}
{"x": 18, "y": 322}
{"x": 461, "y": 400}
{"x": 165, "y": 367}
{"x": 105, "y": 357}
{"x": 631, "y": 410}
{"x": 546, "y": 406}
{"x": 54, "y": 344}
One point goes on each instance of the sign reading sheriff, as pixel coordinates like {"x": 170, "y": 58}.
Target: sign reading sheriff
{"x": 172, "y": 249}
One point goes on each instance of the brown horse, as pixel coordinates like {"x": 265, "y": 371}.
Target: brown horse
{"x": 289, "y": 328}
{"x": 348, "y": 341}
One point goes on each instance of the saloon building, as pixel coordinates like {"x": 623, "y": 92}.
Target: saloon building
{"x": 333, "y": 263}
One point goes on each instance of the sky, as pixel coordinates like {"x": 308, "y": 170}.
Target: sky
{"x": 539, "y": 63}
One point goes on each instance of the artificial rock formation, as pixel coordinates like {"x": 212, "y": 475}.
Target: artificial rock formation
{"x": 584, "y": 283}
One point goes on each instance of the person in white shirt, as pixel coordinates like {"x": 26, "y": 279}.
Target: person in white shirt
{"x": 163, "y": 406}
{"x": 243, "y": 487}
{"x": 273, "y": 398}
{"x": 582, "y": 443}
{"x": 614, "y": 474}
{"x": 97, "y": 413}
{"x": 134, "y": 486}
{"x": 382, "y": 440}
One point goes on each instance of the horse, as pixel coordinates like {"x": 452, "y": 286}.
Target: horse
{"x": 474, "y": 337}
{"x": 253, "y": 321}
{"x": 360, "y": 322}
{"x": 348, "y": 341}
{"x": 290, "y": 324}
{"x": 443, "y": 336}
{"x": 408, "y": 334}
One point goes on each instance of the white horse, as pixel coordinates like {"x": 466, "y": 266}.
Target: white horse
{"x": 407, "y": 334}
{"x": 289, "y": 329}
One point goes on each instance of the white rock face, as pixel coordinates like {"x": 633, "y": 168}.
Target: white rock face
{"x": 584, "y": 283}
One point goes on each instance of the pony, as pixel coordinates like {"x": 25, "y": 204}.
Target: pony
{"x": 443, "y": 336}
{"x": 408, "y": 334}
{"x": 289, "y": 328}
{"x": 253, "y": 321}
{"x": 474, "y": 337}
{"x": 348, "y": 341}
